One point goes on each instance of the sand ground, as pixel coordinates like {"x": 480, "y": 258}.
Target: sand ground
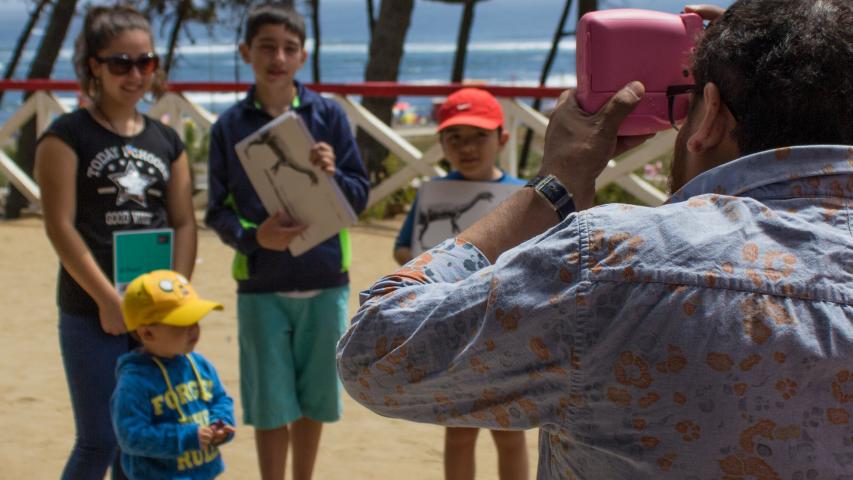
{"x": 36, "y": 419}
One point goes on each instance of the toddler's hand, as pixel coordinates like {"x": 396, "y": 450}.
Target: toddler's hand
{"x": 205, "y": 437}
{"x": 221, "y": 430}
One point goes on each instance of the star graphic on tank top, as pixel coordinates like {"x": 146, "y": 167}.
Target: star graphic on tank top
{"x": 131, "y": 185}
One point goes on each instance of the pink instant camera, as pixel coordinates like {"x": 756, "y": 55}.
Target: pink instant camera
{"x": 617, "y": 46}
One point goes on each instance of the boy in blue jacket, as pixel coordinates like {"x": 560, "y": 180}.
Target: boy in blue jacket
{"x": 169, "y": 409}
{"x": 291, "y": 310}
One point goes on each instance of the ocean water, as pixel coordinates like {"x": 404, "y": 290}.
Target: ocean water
{"x": 509, "y": 44}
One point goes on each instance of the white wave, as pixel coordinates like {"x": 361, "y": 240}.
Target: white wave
{"x": 214, "y": 98}
{"x": 202, "y": 49}
{"x": 524, "y": 46}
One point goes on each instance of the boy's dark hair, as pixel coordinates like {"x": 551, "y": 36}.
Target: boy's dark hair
{"x": 784, "y": 69}
{"x": 274, "y": 13}
{"x": 100, "y": 27}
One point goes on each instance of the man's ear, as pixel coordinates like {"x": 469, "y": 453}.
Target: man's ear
{"x": 713, "y": 124}
{"x": 244, "y": 52}
{"x": 304, "y": 56}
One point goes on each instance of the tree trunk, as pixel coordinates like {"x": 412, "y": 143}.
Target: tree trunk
{"x": 22, "y": 42}
{"x": 371, "y": 17}
{"x": 586, "y": 6}
{"x": 559, "y": 33}
{"x": 315, "y": 55}
{"x": 42, "y": 66}
{"x": 181, "y": 15}
{"x": 462, "y": 41}
{"x": 383, "y": 64}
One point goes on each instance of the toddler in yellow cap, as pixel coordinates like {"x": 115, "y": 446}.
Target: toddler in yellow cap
{"x": 169, "y": 410}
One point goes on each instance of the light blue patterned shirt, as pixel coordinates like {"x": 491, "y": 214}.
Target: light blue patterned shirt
{"x": 711, "y": 337}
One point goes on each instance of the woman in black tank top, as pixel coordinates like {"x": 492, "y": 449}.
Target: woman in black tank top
{"x": 102, "y": 169}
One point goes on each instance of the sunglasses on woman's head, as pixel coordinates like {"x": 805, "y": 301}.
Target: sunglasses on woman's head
{"x": 122, "y": 63}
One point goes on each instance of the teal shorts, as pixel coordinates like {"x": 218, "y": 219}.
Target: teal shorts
{"x": 287, "y": 356}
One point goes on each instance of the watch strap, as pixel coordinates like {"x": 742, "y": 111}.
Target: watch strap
{"x": 549, "y": 188}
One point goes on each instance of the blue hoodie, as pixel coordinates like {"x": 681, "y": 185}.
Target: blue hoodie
{"x": 156, "y": 409}
{"x": 234, "y": 210}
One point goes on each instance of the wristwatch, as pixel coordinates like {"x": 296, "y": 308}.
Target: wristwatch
{"x": 549, "y": 188}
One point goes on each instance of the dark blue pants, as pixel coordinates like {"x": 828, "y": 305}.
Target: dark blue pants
{"x": 89, "y": 356}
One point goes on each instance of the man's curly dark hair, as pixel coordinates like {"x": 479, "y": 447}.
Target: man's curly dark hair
{"x": 785, "y": 70}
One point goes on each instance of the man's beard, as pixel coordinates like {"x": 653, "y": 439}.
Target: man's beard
{"x": 677, "y": 172}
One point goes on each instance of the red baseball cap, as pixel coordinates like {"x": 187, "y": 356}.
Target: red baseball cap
{"x": 470, "y": 106}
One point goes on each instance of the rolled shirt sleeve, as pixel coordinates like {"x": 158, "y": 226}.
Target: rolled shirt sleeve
{"x": 453, "y": 340}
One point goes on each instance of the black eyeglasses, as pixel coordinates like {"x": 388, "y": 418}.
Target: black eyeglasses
{"x": 122, "y": 63}
{"x": 677, "y": 103}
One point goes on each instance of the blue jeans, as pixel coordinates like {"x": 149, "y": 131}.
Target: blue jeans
{"x": 89, "y": 356}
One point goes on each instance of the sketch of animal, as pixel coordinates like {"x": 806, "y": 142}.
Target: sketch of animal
{"x": 281, "y": 155}
{"x": 448, "y": 212}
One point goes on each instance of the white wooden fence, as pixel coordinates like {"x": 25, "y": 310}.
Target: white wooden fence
{"x": 176, "y": 108}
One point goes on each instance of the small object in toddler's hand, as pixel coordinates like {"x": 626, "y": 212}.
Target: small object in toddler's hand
{"x": 217, "y": 425}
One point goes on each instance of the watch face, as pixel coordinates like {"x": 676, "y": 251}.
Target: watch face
{"x": 552, "y": 190}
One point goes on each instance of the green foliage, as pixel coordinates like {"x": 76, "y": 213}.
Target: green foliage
{"x": 197, "y": 147}
{"x": 655, "y": 172}
{"x": 615, "y": 194}
{"x": 395, "y": 203}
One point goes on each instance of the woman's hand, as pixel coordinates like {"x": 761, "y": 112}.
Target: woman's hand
{"x": 109, "y": 312}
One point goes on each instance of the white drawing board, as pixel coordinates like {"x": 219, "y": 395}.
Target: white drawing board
{"x": 277, "y": 160}
{"x": 447, "y": 207}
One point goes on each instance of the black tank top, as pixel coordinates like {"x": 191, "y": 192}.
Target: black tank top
{"x": 121, "y": 185}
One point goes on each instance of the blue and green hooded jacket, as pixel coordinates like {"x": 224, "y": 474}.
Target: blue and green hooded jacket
{"x": 234, "y": 210}
{"x": 157, "y": 408}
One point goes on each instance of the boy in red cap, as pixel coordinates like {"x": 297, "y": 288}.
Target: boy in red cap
{"x": 471, "y": 134}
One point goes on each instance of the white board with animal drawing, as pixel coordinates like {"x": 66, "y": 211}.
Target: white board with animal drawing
{"x": 447, "y": 207}
{"x": 277, "y": 159}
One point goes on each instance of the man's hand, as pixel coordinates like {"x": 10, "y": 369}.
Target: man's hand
{"x": 109, "y": 313}
{"x": 707, "y": 12}
{"x": 323, "y": 155}
{"x": 205, "y": 437}
{"x": 578, "y": 145}
{"x": 277, "y": 231}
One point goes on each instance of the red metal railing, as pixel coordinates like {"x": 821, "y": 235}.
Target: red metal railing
{"x": 369, "y": 89}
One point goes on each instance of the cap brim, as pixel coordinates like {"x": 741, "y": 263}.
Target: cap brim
{"x": 470, "y": 120}
{"x": 190, "y": 313}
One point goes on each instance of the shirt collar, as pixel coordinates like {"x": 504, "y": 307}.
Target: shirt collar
{"x": 251, "y": 103}
{"x": 766, "y": 168}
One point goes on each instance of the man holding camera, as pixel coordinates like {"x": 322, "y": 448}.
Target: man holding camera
{"x": 709, "y": 337}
